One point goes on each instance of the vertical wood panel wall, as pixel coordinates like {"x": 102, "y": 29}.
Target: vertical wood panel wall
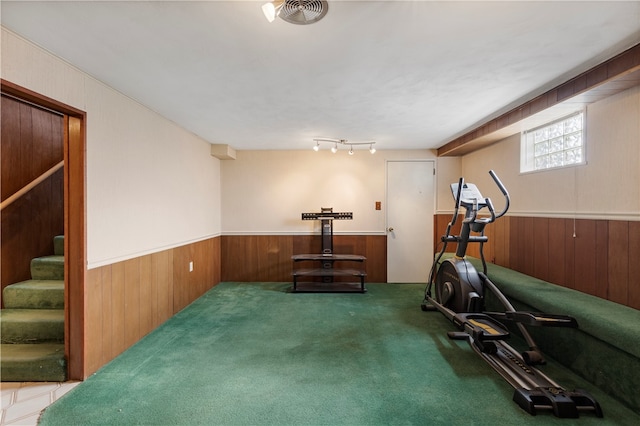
{"x": 129, "y": 299}
{"x": 598, "y": 257}
{"x": 268, "y": 257}
{"x": 32, "y": 143}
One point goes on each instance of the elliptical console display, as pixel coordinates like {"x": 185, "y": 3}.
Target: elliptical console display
{"x": 458, "y": 291}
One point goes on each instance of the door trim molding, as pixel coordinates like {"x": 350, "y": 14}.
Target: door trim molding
{"x": 74, "y": 221}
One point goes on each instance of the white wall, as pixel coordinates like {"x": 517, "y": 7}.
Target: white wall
{"x": 151, "y": 185}
{"x": 607, "y": 187}
{"x": 448, "y": 171}
{"x": 265, "y": 192}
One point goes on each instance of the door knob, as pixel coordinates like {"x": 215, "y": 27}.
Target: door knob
{"x": 390, "y": 229}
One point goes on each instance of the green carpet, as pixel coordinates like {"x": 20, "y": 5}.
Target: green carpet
{"x": 253, "y": 354}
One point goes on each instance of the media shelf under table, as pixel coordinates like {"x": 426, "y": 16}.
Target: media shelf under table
{"x": 328, "y": 257}
{"x": 327, "y": 272}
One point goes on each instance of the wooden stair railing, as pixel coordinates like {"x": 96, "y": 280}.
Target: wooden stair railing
{"x": 28, "y": 187}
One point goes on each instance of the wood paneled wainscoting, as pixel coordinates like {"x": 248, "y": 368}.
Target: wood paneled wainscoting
{"x": 127, "y": 300}
{"x": 595, "y": 256}
{"x": 248, "y": 258}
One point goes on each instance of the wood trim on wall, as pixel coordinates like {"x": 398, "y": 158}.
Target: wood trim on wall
{"x": 75, "y": 244}
{"x": 129, "y": 299}
{"x": 621, "y": 71}
{"x": 597, "y": 257}
{"x": 267, "y": 258}
{"x": 37, "y": 99}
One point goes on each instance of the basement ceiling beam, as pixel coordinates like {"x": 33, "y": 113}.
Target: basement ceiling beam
{"x": 610, "y": 77}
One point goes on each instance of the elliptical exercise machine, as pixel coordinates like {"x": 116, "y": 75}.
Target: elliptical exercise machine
{"x": 458, "y": 290}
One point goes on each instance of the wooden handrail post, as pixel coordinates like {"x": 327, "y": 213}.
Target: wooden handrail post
{"x": 28, "y": 187}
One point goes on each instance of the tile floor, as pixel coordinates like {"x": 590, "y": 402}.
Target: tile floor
{"x": 23, "y": 402}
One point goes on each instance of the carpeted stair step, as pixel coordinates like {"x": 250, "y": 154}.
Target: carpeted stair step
{"x": 33, "y": 363}
{"x": 48, "y": 268}
{"x": 32, "y": 325}
{"x": 58, "y": 245}
{"x": 34, "y": 294}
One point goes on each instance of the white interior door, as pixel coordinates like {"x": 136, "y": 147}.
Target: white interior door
{"x": 410, "y": 209}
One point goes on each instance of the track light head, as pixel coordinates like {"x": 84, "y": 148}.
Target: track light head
{"x": 272, "y": 9}
{"x": 334, "y": 148}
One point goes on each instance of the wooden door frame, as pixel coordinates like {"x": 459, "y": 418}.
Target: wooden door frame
{"x": 75, "y": 266}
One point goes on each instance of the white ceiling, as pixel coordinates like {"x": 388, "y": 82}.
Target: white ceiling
{"x": 407, "y": 74}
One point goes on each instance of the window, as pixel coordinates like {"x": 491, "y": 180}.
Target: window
{"x": 556, "y": 144}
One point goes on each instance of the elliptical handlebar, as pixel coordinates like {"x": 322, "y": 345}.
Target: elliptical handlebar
{"x": 489, "y": 204}
{"x": 458, "y": 201}
{"x": 504, "y": 191}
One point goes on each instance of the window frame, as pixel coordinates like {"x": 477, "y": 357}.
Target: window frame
{"x": 527, "y": 148}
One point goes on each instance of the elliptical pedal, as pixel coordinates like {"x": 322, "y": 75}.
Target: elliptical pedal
{"x": 481, "y": 326}
{"x": 480, "y": 330}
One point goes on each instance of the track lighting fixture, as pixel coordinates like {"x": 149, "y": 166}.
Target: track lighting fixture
{"x": 337, "y": 142}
